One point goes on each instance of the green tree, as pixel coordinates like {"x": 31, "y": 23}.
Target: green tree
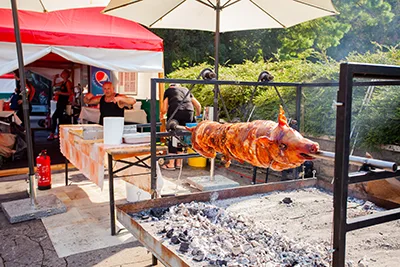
{"x": 360, "y": 24}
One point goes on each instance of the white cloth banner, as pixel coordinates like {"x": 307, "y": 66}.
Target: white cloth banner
{"x": 111, "y": 59}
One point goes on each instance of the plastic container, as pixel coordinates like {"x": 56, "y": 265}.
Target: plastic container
{"x": 137, "y": 138}
{"x": 134, "y": 193}
{"x": 188, "y": 139}
{"x": 112, "y": 130}
{"x": 199, "y": 162}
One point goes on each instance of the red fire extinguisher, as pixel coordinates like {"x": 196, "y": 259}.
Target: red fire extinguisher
{"x": 43, "y": 170}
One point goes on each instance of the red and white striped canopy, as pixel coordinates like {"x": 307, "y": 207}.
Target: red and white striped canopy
{"x": 83, "y": 36}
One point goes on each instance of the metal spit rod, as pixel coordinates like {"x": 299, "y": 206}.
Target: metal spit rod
{"x": 381, "y": 164}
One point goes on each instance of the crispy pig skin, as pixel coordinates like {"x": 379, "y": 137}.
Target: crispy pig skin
{"x": 261, "y": 143}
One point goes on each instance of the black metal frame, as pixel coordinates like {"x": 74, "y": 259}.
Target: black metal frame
{"x": 153, "y": 104}
{"x": 342, "y": 178}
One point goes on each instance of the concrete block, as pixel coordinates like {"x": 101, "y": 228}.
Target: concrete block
{"x": 204, "y": 183}
{"x": 22, "y": 210}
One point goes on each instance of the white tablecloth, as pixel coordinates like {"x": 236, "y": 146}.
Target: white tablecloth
{"x": 93, "y": 115}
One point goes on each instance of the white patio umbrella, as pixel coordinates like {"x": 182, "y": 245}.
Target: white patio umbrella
{"x": 39, "y": 6}
{"x": 220, "y": 16}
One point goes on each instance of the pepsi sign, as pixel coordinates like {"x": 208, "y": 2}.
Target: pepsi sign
{"x": 98, "y": 77}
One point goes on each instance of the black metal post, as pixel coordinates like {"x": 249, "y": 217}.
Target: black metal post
{"x": 254, "y": 181}
{"x": 66, "y": 171}
{"x": 25, "y": 104}
{"x": 111, "y": 192}
{"x": 342, "y": 152}
{"x": 298, "y": 105}
{"x": 153, "y": 148}
{"x": 154, "y": 260}
{"x": 266, "y": 175}
{"x": 216, "y": 62}
{"x": 153, "y": 140}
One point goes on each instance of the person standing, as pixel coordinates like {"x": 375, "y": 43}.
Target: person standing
{"x": 63, "y": 95}
{"x": 111, "y": 103}
{"x": 178, "y": 97}
{"x": 16, "y": 97}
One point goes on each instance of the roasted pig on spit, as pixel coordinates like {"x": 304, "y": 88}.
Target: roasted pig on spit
{"x": 261, "y": 143}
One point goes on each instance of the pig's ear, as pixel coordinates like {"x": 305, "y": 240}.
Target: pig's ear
{"x": 282, "y": 121}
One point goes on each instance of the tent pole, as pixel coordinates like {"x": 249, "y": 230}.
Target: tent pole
{"x": 25, "y": 104}
{"x": 216, "y": 89}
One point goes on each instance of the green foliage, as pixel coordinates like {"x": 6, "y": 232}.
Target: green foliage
{"x": 381, "y": 119}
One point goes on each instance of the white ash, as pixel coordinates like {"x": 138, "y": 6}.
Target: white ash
{"x": 218, "y": 237}
{"x": 246, "y": 231}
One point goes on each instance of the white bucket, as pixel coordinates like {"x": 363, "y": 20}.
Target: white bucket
{"x": 113, "y": 128}
{"x": 134, "y": 193}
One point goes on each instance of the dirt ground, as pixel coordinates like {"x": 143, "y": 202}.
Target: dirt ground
{"x": 309, "y": 218}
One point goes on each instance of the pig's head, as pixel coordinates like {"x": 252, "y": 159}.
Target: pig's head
{"x": 286, "y": 146}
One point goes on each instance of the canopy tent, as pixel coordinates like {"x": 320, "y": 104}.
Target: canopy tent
{"x": 83, "y": 36}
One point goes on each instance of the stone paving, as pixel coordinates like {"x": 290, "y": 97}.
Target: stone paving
{"x": 28, "y": 244}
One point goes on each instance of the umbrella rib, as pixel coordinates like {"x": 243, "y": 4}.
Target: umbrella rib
{"x": 272, "y": 17}
{"x": 41, "y": 3}
{"x": 228, "y": 5}
{"x": 165, "y": 14}
{"x": 209, "y": 5}
{"x": 315, "y": 6}
{"x": 122, "y": 5}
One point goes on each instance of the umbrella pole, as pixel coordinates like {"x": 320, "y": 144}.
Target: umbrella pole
{"x": 25, "y": 104}
{"x": 216, "y": 89}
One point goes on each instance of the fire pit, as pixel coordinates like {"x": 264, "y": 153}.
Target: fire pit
{"x": 248, "y": 226}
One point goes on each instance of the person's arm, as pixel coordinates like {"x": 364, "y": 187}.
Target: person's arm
{"x": 164, "y": 109}
{"x": 123, "y": 100}
{"x": 90, "y": 99}
{"x": 69, "y": 89}
{"x": 197, "y": 106}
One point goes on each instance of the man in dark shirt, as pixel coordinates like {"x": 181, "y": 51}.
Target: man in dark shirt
{"x": 177, "y": 97}
{"x": 111, "y": 104}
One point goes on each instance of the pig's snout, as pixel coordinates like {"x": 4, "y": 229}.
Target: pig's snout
{"x": 313, "y": 148}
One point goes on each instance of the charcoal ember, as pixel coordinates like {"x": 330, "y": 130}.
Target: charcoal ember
{"x": 183, "y": 238}
{"x": 199, "y": 256}
{"x": 163, "y": 231}
{"x": 170, "y": 233}
{"x": 237, "y": 249}
{"x": 221, "y": 262}
{"x": 184, "y": 247}
{"x": 175, "y": 240}
{"x": 193, "y": 211}
{"x": 210, "y": 213}
{"x": 287, "y": 200}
